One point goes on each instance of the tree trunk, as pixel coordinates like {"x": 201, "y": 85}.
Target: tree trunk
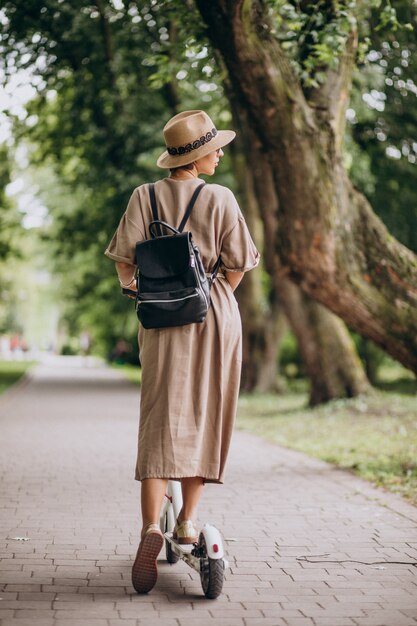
{"x": 275, "y": 327}
{"x": 329, "y": 241}
{"x": 326, "y": 348}
{"x": 264, "y": 323}
{"x": 263, "y": 329}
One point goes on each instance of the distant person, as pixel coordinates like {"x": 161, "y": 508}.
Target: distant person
{"x": 190, "y": 374}
{"x": 120, "y": 352}
{"x": 14, "y": 343}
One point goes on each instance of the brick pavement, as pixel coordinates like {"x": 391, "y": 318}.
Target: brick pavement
{"x": 67, "y": 456}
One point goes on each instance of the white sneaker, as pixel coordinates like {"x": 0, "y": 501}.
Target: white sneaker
{"x": 185, "y": 532}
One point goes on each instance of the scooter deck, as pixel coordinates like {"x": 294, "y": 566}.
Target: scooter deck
{"x": 187, "y": 547}
{"x": 184, "y": 552}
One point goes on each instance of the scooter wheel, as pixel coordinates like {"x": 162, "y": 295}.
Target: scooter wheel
{"x": 170, "y": 554}
{"x": 211, "y": 572}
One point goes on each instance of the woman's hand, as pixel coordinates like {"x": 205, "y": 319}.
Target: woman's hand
{"x": 131, "y": 287}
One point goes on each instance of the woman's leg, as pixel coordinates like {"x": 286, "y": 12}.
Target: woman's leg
{"x": 192, "y": 489}
{"x": 152, "y": 495}
{"x": 145, "y": 570}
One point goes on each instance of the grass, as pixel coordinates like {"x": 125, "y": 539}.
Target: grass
{"x": 11, "y": 371}
{"x": 374, "y": 436}
{"x": 132, "y": 372}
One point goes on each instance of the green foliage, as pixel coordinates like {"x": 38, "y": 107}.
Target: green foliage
{"x": 107, "y": 79}
{"x": 10, "y": 227}
{"x": 290, "y": 363}
{"x": 12, "y": 245}
{"x": 315, "y": 34}
{"x": 87, "y": 139}
{"x": 388, "y": 18}
{"x": 381, "y": 146}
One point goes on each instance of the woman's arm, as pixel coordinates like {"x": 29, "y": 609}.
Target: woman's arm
{"x": 126, "y": 274}
{"x": 234, "y": 278}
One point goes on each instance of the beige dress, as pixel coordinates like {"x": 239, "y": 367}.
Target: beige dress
{"x": 190, "y": 374}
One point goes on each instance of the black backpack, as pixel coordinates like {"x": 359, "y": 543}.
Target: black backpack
{"x": 173, "y": 289}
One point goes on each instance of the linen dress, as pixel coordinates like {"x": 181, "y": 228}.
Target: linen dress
{"x": 190, "y": 374}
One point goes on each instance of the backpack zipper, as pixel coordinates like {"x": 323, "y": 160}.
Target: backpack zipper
{"x": 199, "y": 280}
{"x": 193, "y": 295}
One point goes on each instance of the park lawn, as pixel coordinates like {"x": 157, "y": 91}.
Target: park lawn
{"x": 132, "y": 372}
{"x": 375, "y": 435}
{"x": 11, "y": 371}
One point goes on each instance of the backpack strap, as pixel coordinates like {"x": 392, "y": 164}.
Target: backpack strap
{"x": 190, "y": 207}
{"x": 151, "y": 188}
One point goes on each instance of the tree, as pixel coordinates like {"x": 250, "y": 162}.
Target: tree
{"x": 91, "y": 66}
{"x": 329, "y": 240}
{"x": 87, "y": 117}
{"x": 9, "y": 219}
{"x": 264, "y": 323}
{"x": 85, "y": 114}
{"x": 100, "y": 71}
{"x": 326, "y": 348}
{"x": 10, "y": 237}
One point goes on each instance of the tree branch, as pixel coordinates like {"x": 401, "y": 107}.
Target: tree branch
{"x": 331, "y": 99}
{"x": 240, "y": 30}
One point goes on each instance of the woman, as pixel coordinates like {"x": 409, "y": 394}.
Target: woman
{"x": 190, "y": 374}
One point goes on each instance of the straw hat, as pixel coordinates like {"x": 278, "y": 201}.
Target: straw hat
{"x": 189, "y": 136}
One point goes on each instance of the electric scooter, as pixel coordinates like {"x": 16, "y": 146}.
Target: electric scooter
{"x": 206, "y": 556}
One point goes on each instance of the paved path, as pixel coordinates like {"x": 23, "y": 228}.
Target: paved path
{"x": 66, "y": 483}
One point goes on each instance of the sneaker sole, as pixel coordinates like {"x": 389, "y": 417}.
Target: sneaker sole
{"x": 144, "y": 570}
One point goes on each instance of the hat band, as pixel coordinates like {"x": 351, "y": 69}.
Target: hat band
{"x": 193, "y": 146}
